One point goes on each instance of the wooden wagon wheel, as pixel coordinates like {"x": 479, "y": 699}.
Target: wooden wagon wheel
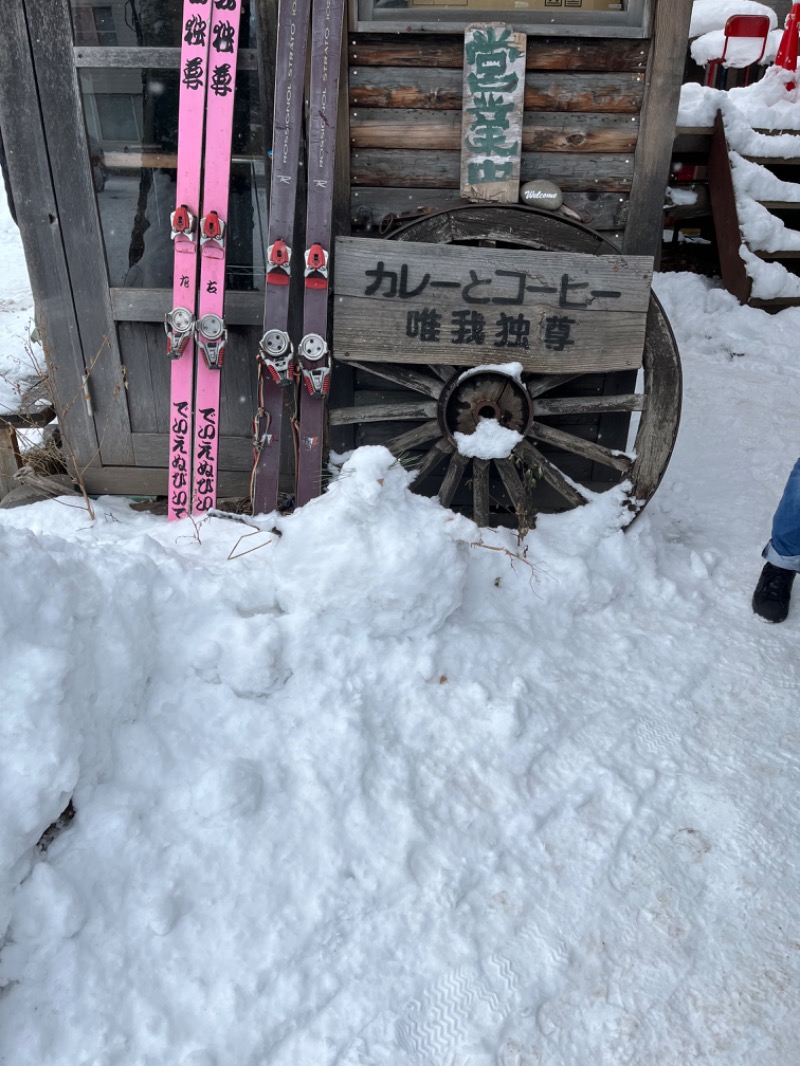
{"x": 576, "y": 427}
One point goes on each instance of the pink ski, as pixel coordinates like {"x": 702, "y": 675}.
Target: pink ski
{"x": 180, "y": 322}
{"x": 211, "y": 333}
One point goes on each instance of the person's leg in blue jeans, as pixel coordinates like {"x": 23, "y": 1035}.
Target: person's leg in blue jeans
{"x": 774, "y": 588}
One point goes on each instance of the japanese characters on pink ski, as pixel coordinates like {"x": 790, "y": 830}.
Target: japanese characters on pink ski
{"x": 180, "y": 322}
{"x": 211, "y": 331}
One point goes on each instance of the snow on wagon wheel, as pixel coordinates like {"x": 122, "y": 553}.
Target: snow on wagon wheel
{"x": 502, "y": 445}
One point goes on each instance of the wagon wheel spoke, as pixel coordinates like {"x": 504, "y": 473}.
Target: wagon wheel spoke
{"x": 578, "y": 446}
{"x": 447, "y": 403}
{"x": 480, "y": 491}
{"x": 406, "y": 442}
{"x": 589, "y": 405}
{"x": 433, "y": 457}
{"x": 405, "y": 376}
{"x": 551, "y": 474}
{"x": 516, "y": 490}
{"x": 450, "y": 482}
{"x": 383, "y": 412}
{"x": 545, "y": 382}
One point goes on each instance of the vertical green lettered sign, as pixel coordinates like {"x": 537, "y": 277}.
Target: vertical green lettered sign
{"x": 491, "y": 131}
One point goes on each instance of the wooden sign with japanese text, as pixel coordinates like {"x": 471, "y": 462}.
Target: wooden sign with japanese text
{"x": 491, "y": 129}
{"x": 554, "y": 312}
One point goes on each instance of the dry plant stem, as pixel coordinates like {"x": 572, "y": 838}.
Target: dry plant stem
{"x": 233, "y": 554}
{"x": 519, "y": 557}
{"x": 76, "y": 468}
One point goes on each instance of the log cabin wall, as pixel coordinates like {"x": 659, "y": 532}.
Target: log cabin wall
{"x": 582, "y": 112}
{"x": 599, "y": 116}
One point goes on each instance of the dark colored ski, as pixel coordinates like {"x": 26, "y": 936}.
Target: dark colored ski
{"x": 276, "y": 351}
{"x": 313, "y": 351}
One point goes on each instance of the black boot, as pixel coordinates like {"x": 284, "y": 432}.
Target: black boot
{"x": 773, "y": 591}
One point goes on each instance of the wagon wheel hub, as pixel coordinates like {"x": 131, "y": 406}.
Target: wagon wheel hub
{"x": 486, "y": 394}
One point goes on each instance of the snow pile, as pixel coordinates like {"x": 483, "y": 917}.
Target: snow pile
{"x": 710, "y": 15}
{"x": 707, "y": 30}
{"x": 759, "y": 121}
{"x": 489, "y": 441}
{"x": 377, "y": 788}
{"x": 510, "y": 370}
{"x": 741, "y": 51}
{"x": 765, "y": 105}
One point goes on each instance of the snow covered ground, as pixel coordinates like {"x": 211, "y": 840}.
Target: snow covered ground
{"x": 389, "y": 791}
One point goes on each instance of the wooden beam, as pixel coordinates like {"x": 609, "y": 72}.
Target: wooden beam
{"x": 572, "y": 172}
{"x": 726, "y": 218}
{"x": 643, "y": 233}
{"x": 541, "y": 131}
{"x": 41, "y": 231}
{"x": 415, "y": 50}
{"x": 381, "y": 207}
{"x": 406, "y": 302}
{"x": 10, "y": 460}
{"x": 616, "y": 93}
{"x": 155, "y": 58}
{"x": 50, "y": 28}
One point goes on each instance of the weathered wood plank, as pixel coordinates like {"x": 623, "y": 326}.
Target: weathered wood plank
{"x": 382, "y": 207}
{"x": 643, "y": 233}
{"x": 407, "y": 442}
{"x": 588, "y": 405}
{"x": 614, "y": 344}
{"x": 551, "y": 474}
{"x": 152, "y": 58}
{"x": 440, "y": 450}
{"x": 148, "y": 375}
{"x": 404, "y": 376}
{"x": 149, "y": 481}
{"x": 152, "y": 449}
{"x": 391, "y": 272}
{"x": 160, "y": 160}
{"x": 726, "y": 218}
{"x": 519, "y": 225}
{"x": 382, "y": 412}
{"x": 150, "y": 305}
{"x": 35, "y": 419}
{"x": 41, "y": 232}
{"x": 480, "y": 491}
{"x": 578, "y": 446}
{"x": 515, "y": 488}
{"x": 452, "y": 478}
{"x": 373, "y": 167}
{"x": 541, "y": 131}
{"x": 10, "y": 461}
{"x": 441, "y": 90}
{"x": 416, "y": 50}
{"x": 552, "y": 311}
{"x": 238, "y": 398}
{"x": 662, "y": 382}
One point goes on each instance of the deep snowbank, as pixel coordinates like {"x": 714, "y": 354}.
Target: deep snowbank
{"x": 385, "y": 792}
{"x": 409, "y": 798}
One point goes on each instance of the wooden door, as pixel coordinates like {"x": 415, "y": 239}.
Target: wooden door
{"x": 97, "y": 154}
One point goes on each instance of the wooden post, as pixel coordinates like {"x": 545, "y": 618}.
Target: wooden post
{"x": 10, "y": 461}
{"x": 645, "y": 223}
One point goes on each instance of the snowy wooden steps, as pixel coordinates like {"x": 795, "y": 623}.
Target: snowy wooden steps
{"x": 755, "y": 201}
